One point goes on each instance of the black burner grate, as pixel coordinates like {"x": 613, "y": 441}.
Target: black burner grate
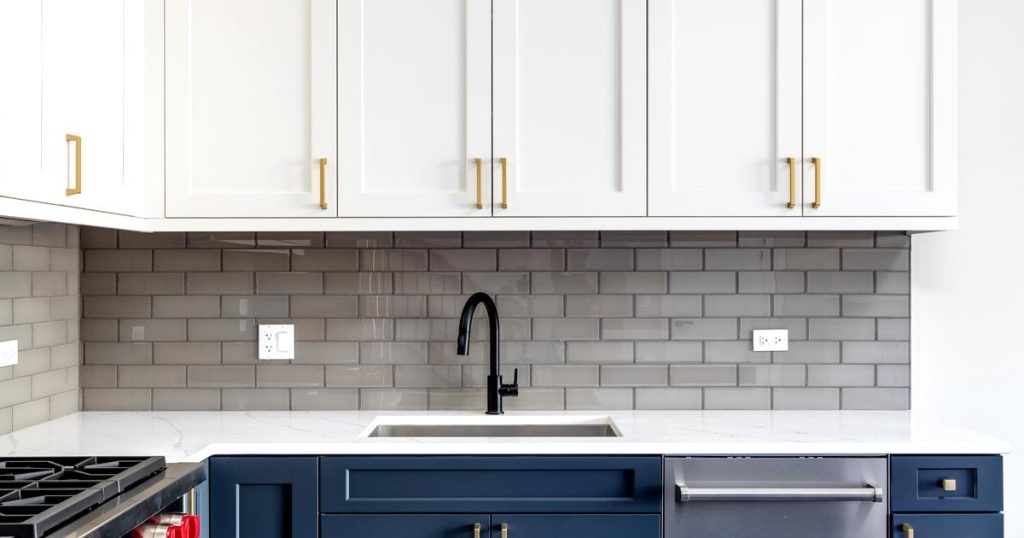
{"x": 40, "y": 494}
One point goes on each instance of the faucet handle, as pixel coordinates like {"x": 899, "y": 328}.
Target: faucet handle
{"x": 513, "y": 389}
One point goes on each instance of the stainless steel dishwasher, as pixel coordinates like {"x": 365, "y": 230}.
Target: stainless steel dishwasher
{"x": 774, "y": 497}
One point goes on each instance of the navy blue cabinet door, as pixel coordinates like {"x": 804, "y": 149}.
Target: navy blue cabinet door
{"x": 577, "y": 525}
{"x": 404, "y": 526}
{"x": 252, "y": 497}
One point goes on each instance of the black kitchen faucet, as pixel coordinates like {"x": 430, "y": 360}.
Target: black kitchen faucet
{"x": 495, "y": 389}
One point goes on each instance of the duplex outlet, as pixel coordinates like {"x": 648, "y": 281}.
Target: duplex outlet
{"x": 277, "y": 342}
{"x": 771, "y": 340}
{"x": 8, "y": 353}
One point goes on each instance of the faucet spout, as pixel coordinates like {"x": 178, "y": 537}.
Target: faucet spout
{"x": 495, "y": 389}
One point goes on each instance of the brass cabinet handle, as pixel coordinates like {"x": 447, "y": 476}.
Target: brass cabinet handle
{"x": 504, "y": 182}
{"x": 323, "y": 183}
{"x": 792, "y": 182}
{"x": 504, "y": 530}
{"x": 817, "y": 182}
{"x": 908, "y": 530}
{"x": 78, "y": 164}
{"x": 479, "y": 183}
{"x": 476, "y": 526}
{"x": 948, "y": 484}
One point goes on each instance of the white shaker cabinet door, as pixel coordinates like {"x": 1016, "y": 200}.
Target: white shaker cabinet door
{"x": 85, "y": 79}
{"x": 414, "y": 107}
{"x": 251, "y": 108}
{"x": 880, "y": 107}
{"x": 20, "y": 101}
{"x": 570, "y": 102}
{"x": 725, "y": 108}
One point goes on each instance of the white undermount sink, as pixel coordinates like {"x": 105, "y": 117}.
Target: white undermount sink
{"x": 491, "y": 426}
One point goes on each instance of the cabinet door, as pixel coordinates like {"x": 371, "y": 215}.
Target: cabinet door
{"x": 414, "y": 102}
{"x": 257, "y": 497}
{"x": 880, "y": 107}
{"x": 724, "y": 107}
{"x": 20, "y": 100}
{"x": 83, "y": 104}
{"x": 588, "y": 525}
{"x": 250, "y": 108}
{"x": 404, "y": 526}
{"x": 570, "y": 102}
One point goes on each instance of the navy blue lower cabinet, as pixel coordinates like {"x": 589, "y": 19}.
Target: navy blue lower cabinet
{"x": 405, "y": 526}
{"x": 263, "y": 497}
{"x": 577, "y": 525}
{"x": 947, "y": 525}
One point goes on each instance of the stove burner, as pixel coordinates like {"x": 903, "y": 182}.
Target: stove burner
{"x": 38, "y": 495}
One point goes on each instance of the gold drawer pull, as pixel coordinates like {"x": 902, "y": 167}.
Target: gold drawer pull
{"x": 908, "y": 530}
{"x": 792, "y": 182}
{"x": 504, "y": 530}
{"x": 476, "y": 530}
{"x": 948, "y": 484}
{"x": 78, "y": 164}
{"x": 323, "y": 183}
{"x": 479, "y": 183}
{"x": 504, "y": 184}
{"x": 817, "y": 182}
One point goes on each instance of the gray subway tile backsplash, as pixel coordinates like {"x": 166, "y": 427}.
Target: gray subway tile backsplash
{"x": 40, "y": 282}
{"x": 610, "y": 320}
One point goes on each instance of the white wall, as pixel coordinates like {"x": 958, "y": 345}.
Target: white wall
{"x": 969, "y": 285}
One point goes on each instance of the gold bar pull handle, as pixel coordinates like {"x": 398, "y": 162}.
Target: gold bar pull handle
{"x": 817, "y": 182}
{"x": 504, "y": 530}
{"x": 78, "y": 164}
{"x": 323, "y": 183}
{"x": 908, "y": 530}
{"x": 476, "y": 530}
{"x": 479, "y": 182}
{"x": 504, "y": 182}
{"x": 792, "y": 182}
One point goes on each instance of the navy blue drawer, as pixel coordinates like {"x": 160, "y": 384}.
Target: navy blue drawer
{"x": 402, "y": 526}
{"x": 948, "y": 525}
{"x": 584, "y": 526}
{"x": 917, "y": 484}
{"x": 490, "y": 484}
{"x": 462, "y": 525}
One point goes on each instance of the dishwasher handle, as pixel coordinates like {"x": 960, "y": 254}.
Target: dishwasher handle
{"x": 867, "y": 493}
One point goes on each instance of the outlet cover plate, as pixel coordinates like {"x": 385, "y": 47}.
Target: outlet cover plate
{"x": 277, "y": 342}
{"x": 771, "y": 340}
{"x": 9, "y": 353}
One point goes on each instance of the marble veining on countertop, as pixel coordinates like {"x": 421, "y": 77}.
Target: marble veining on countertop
{"x": 196, "y": 435}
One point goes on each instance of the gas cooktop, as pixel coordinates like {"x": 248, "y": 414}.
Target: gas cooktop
{"x": 37, "y": 495}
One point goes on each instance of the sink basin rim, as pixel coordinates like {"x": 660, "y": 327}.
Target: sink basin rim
{"x": 478, "y": 426}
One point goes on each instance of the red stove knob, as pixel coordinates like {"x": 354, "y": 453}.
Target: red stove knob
{"x": 190, "y": 525}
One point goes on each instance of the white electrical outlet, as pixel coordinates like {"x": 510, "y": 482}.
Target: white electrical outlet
{"x": 771, "y": 340}
{"x": 277, "y": 342}
{"x": 9, "y": 353}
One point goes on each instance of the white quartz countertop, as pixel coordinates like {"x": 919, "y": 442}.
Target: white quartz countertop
{"x": 194, "y": 436}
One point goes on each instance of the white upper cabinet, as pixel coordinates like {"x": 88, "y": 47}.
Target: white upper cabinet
{"x": 414, "y": 107}
{"x": 85, "y": 78}
{"x": 570, "y": 101}
{"x": 20, "y": 100}
{"x": 251, "y": 108}
{"x": 880, "y": 107}
{"x": 63, "y": 111}
{"x": 724, "y": 111}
